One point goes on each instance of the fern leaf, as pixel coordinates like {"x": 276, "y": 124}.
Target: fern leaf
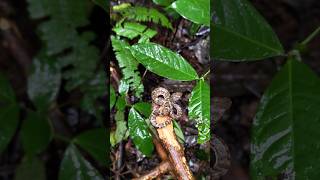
{"x": 143, "y": 14}
{"x": 132, "y": 30}
{"x": 128, "y": 65}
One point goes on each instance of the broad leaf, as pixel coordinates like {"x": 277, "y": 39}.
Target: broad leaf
{"x": 44, "y": 82}
{"x": 199, "y": 109}
{"x": 163, "y": 62}
{"x": 139, "y": 132}
{"x": 239, "y": 33}
{"x": 144, "y": 108}
{"x": 94, "y": 141}
{"x": 36, "y": 133}
{"x": 74, "y": 166}
{"x": 197, "y": 11}
{"x": 9, "y": 113}
{"x": 31, "y": 168}
{"x": 285, "y": 132}
{"x": 121, "y": 103}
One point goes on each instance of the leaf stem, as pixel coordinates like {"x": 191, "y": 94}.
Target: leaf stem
{"x": 206, "y": 74}
{"x": 311, "y": 36}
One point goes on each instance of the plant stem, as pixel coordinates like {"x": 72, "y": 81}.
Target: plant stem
{"x": 206, "y": 74}
{"x": 311, "y": 36}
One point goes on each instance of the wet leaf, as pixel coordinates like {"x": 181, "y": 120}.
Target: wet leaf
{"x": 197, "y": 11}
{"x": 74, "y": 166}
{"x": 199, "y": 109}
{"x": 112, "y": 97}
{"x": 139, "y": 133}
{"x": 9, "y": 113}
{"x": 31, "y": 168}
{"x": 240, "y": 33}
{"x": 285, "y": 134}
{"x": 36, "y": 133}
{"x": 144, "y": 108}
{"x": 44, "y": 82}
{"x": 163, "y": 62}
{"x": 94, "y": 141}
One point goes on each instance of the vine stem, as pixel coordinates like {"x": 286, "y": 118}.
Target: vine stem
{"x": 311, "y": 36}
{"x": 206, "y": 74}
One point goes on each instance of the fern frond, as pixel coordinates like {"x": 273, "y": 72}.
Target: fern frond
{"x": 132, "y": 30}
{"x": 143, "y": 14}
{"x": 128, "y": 65}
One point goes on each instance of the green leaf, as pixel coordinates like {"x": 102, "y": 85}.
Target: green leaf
{"x": 140, "y": 133}
{"x": 36, "y": 133}
{"x": 199, "y": 109}
{"x": 178, "y": 131}
{"x": 144, "y": 108}
{"x": 121, "y": 131}
{"x": 112, "y": 97}
{"x": 9, "y": 113}
{"x": 121, "y": 103}
{"x": 163, "y": 62}
{"x": 163, "y": 2}
{"x": 129, "y": 29}
{"x": 197, "y": 11}
{"x": 94, "y": 142}
{"x": 128, "y": 65}
{"x": 104, "y": 4}
{"x": 31, "y": 168}
{"x": 74, "y": 166}
{"x": 44, "y": 82}
{"x": 83, "y": 63}
{"x": 240, "y": 33}
{"x": 285, "y": 132}
{"x": 143, "y": 14}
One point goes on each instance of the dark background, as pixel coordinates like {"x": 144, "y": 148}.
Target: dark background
{"x": 245, "y": 82}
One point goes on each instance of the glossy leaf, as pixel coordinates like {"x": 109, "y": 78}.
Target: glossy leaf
{"x": 285, "y": 132}
{"x": 74, "y": 166}
{"x": 36, "y": 133}
{"x": 9, "y": 113}
{"x": 163, "y": 62}
{"x": 112, "y": 97}
{"x": 44, "y": 82}
{"x": 94, "y": 142}
{"x": 197, "y": 11}
{"x": 144, "y": 108}
{"x": 240, "y": 33}
{"x": 31, "y": 168}
{"x": 139, "y": 133}
{"x": 199, "y": 109}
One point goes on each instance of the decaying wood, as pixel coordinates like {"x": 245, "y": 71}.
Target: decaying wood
{"x": 163, "y": 168}
{"x": 174, "y": 150}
